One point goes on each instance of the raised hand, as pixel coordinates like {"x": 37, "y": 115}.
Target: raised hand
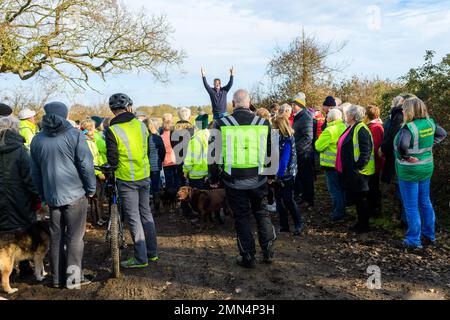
{"x": 203, "y": 72}
{"x": 232, "y": 71}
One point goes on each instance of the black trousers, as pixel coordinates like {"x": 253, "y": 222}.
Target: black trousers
{"x": 284, "y": 193}
{"x": 360, "y": 199}
{"x": 304, "y": 183}
{"x": 374, "y": 196}
{"x": 245, "y": 203}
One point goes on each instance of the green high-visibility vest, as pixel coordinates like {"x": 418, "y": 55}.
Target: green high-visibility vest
{"x": 244, "y": 146}
{"x": 101, "y": 146}
{"x": 196, "y": 161}
{"x": 28, "y": 130}
{"x": 369, "y": 169}
{"x": 132, "y": 142}
{"x": 327, "y": 143}
{"x": 421, "y": 147}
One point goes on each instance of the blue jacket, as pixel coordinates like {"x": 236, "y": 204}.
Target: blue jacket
{"x": 62, "y": 166}
{"x": 218, "y": 98}
{"x": 288, "y": 158}
{"x": 156, "y": 152}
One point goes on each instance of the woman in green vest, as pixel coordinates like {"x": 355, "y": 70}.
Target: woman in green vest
{"x": 415, "y": 166}
{"x": 327, "y": 146}
{"x": 355, "y": 161}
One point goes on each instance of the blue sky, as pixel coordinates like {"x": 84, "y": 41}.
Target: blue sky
{"x": 218, "y": 34}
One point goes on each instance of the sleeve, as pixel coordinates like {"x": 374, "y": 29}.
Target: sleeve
{"x": 207, "y": 87}
{"x": 25, "y": 173}
{"x": 365, "y": 147}
{"x": 161, "y": 148}
{"x": 404, "y": 142}
{"x": 85, "y": 164}
{"x": 285, "y": 156}
{"x": 112, "y": 151}
{"x": 229, "y": 85}
{"x": 36, "y": 176}
{"x": 324, "y": 141}
{"x": 440, "y": 135}
{"x": 305, "y": 135}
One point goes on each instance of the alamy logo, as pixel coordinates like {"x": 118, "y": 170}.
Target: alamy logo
{"x": 374, "y": 281}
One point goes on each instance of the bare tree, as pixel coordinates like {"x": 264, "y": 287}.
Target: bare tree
{"x": 303, "y": 66}
{"x": 76, "y": 38}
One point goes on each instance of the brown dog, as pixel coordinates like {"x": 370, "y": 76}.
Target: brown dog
{"x": 204, "y": 202}
{"x": 30, "y": 244}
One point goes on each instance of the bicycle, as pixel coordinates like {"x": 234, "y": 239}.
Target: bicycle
{"x": 115, "y": 235}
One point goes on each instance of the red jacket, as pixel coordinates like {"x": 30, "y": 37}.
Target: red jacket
{"x": 377, "y": 133}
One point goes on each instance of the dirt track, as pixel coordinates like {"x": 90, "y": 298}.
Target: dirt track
{"x": 325, "y": 263}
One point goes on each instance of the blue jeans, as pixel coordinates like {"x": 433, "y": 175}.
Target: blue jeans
{"x": 419, "y": 211}
{"x": 337, "y": 194}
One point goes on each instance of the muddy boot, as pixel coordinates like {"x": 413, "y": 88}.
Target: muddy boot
{"x": 246, "y": 262}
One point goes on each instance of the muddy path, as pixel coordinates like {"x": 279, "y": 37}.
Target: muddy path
{"x": 326, "y": 262}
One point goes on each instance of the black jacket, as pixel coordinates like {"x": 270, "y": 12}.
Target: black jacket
{"x": 18, "y": 194}
{"x": 218, "y": 98}
{"x": 352, "y": 180}
{"x": 304, "y": 132}
{"x": 392, "y": 127}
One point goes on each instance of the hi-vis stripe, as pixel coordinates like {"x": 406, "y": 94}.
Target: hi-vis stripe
{"x": 124, "y": 139}
{"x": 356, "y": 147}
{"x": 416, "y": 148}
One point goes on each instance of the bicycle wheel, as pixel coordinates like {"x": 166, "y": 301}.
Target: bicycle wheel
{"x": 115, "y": 241}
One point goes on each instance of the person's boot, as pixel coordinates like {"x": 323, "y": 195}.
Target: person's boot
{"x": 246, "y": 262}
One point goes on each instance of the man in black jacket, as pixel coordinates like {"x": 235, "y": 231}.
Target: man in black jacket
{"x": 304, "y": 136}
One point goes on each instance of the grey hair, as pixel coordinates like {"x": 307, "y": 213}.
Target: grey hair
{"x": 9, "y": 123}
{"x": 338, "y": 101}
{"x": 184, "y": 114}
{"x": 397, "y": 101}
{"x": 285, "y": 108}
{"x": 334, "y": 114}
{"x": 356, "y": 112}
{"x": 241, "y": 98}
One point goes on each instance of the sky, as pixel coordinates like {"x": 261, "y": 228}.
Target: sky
{"x": 384, "y": 39}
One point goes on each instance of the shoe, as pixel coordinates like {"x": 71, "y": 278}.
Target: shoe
{"x": 154, "y": 259}
{"x": 429, "y": 243}
{"x": 245, "y": 263}
{"x": 133, "y": 264}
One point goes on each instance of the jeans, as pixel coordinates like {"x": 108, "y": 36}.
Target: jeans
{"x": 67, "y": 230}
{"x": 419, "y": 211}
{"x": 337, "y": 194}
{"x": 172, "y": 178}
{"x": 244, "y": 203}
{"x": 134, "y": 197}
{"x": 284, "y": 195}
{"x": 155, "y": 177}
{"x": 304, "y": 184}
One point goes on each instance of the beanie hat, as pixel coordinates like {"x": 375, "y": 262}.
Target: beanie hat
{"x": 57, "y": 108}
{"x": 300, "y": 100}
{"x": 202, "y": 122}
{"x": 5, "y": 110}
{"x": 98, "y": 121}
{"x": 329, "y": 102}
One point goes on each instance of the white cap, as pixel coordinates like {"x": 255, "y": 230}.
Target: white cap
{"x": 26, "y": 114}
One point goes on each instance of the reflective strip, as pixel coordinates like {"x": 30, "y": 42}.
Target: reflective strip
{"x": 255, "y": 120}
{"x": 124, "y": 139}
{"x": 261, "y": 153}
{"x": 198, "y": 173}
{"x": 144, "y": 138}
{"x": 416, "y": 136}
{"x": 406, "y": 163}
{"x": 229, "y": 153}
{"x": 416, "y": 148}
{"x": 330, "y": 154}
{"x": 227, "y": 123}
{"x": 261, "y": 122}
{"x": 233, "y": 121}
{"x": 328, "y": 161}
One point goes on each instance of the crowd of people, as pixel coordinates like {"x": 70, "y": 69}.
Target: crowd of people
{"x": 53, "y": 164}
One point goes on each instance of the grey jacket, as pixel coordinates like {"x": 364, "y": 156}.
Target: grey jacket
{"x": 62, "y": 166}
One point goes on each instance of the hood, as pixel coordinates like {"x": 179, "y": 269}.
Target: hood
{"x": 54, "y": 125}
{"x": 10, "y": 141}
